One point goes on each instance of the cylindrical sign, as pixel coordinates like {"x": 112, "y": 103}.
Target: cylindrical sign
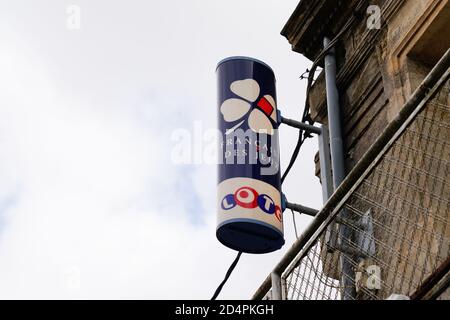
{"x": 249, "y": 198}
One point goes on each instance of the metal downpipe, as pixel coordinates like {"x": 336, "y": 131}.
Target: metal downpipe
{"x": 338, "y": 166}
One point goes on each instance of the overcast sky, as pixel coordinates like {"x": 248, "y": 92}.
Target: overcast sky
{"x": 91, "y": 204}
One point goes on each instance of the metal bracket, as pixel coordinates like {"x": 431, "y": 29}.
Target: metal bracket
{"x": 297, "y": 124}
{"x": 302, "y": 209}
{"x": 301, "y": 125}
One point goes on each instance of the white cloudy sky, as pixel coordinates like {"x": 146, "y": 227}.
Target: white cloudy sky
{"x": 91, "y": 205}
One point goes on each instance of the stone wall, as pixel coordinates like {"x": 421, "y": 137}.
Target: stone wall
{"x": 379, "y": 69}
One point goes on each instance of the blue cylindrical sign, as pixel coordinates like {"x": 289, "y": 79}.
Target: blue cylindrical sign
{"x": 249, "y": 197}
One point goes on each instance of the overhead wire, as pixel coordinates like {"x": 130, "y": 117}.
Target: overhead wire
{"x": 227, "y": 275}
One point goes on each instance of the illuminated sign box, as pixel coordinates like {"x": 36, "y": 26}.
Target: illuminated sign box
{"x": 249, "y": 198}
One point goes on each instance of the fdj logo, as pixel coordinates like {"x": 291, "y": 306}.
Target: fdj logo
{"x": 248, "y": 198}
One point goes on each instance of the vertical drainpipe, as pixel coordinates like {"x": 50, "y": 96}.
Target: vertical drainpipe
{"x": 338, "y": 166}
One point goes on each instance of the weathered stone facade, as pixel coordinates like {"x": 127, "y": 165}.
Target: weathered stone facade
{"x": 378, "y": 71}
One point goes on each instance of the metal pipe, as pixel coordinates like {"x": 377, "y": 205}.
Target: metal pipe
{"x": 338, "y": 164}
{"x": 301, "y": 125}
{"x": 360, "y": 171}
{"x": 302, "y": 209}
{"x": 325, "y": 164}
{"x": 327, "y": 182}
{"x": 439, "y": 289}
{"x": 432, "y": 281}
{"x": 334, "y": 118}
{"x": 276, "y": 286}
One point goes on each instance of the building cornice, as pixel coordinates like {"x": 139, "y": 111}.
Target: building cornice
{"x": 362, "y": 52}
{"x": 312, "y": 20}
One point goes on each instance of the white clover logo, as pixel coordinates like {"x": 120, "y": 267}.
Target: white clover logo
{"x": 262, "y": 116}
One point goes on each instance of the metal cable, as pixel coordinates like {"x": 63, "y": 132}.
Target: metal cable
{"x": 227, "y": 275}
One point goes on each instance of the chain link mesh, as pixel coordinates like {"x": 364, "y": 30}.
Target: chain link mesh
{"x": 397, "y": 219}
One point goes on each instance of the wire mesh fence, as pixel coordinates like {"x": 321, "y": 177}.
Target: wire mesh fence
{"x": 385, "y": 231}
{"x": 393, "y": 230}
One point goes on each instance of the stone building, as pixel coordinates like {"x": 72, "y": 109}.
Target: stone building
{"x": 381, "y": 61}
